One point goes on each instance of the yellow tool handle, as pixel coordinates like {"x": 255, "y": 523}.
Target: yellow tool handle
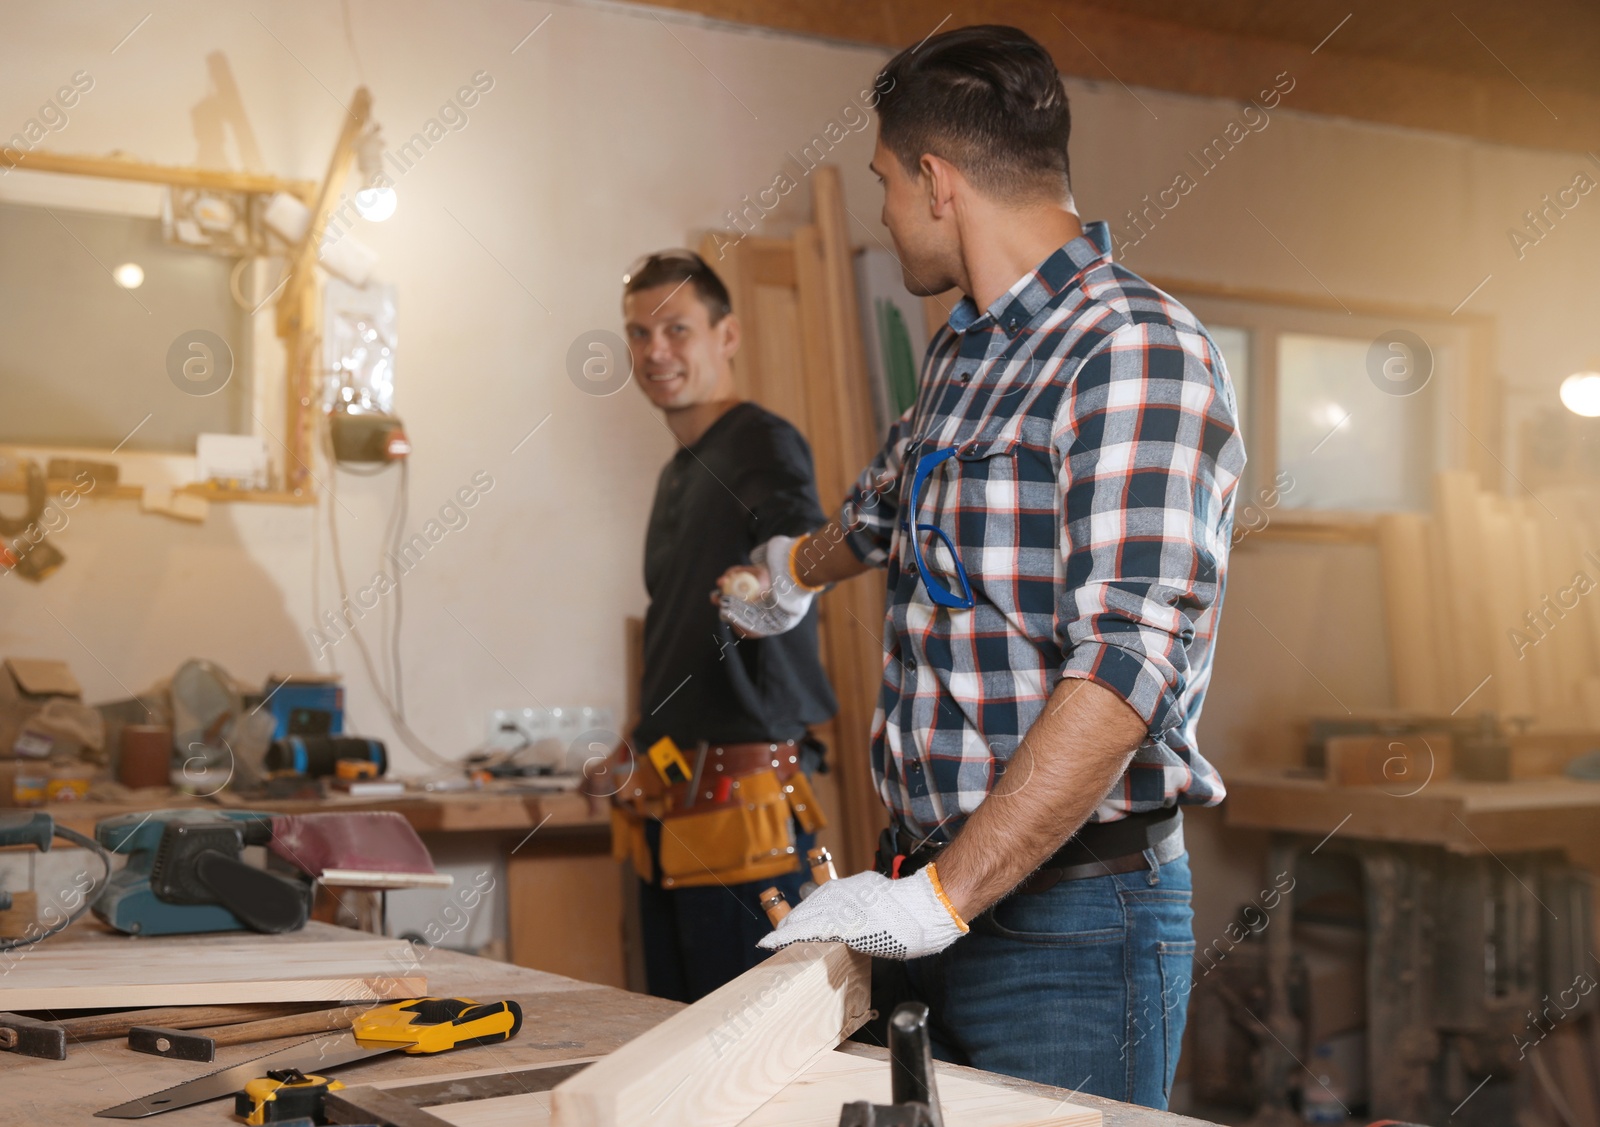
{"x": 669, "y": 761}
{"x": 433, "y": 1025}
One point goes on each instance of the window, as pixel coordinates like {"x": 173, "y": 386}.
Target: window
{"x": 1345, "y": 414}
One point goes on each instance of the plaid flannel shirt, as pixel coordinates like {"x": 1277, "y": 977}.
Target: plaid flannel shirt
{"x": 1091, "y": 503}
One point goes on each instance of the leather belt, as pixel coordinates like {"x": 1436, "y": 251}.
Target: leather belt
{"x": 1166, "y": 850}
{"x": 721, "y": 761}
{"x": 1098, "y": 849}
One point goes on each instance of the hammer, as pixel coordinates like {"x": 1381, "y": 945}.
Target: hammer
{"x": 201, "y": 1044}
{"x": 916, "y": 1097}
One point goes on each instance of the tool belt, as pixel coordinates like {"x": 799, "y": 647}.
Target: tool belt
{"x": 1098, "y": 849}
{"x": 736, "y": 825}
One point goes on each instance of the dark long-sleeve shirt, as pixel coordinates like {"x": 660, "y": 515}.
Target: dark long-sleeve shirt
{"x": 747, "y": 479}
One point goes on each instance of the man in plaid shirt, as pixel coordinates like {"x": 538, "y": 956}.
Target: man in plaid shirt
{"x": 1054, "y": 515}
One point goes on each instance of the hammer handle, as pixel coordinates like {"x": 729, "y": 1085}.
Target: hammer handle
{"x": 319, "y": 1021}
{"x": 103, "y": 1026}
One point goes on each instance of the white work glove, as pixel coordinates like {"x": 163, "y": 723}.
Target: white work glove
{"x": 892, "y": 919}
{"x": 779, "y": 607}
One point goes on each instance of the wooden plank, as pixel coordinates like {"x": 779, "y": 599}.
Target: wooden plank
{"x": 1504, "y": 579}
{"x": 1402, "y": 763}
{"x": 124, "y": 168}
{"x": 99, "y": 1027}
{"x": 813, "y": 1099}
{"x": 72, "y": 971}
{"x": 780, "y": 366}
{"x": 1456, "y": 502}
{"x": 1563, "y": 571}
{"x": 299, "y": 308}
{"x": 1553, "y": 696}
{"x": 1545, "y": 754}
{"x": 1408, "y": 612}
{"x": 1445, "y": 650}
{"x": 836, "y": 365}
{"x": 715, "y": 1062}
{"x": 564, "y": 1020}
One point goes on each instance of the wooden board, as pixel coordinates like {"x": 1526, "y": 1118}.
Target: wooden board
{"x": 715, "y": 1062}
{"x": 67, "y": 972}
{"x": 1403, "y": 763}
{"x": 813, "y": 1099}
{"x": 1403, "y": 546}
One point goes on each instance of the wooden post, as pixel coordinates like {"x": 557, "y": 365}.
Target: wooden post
{"x": 300, "y": 306}
{"x": 836, "y": 366}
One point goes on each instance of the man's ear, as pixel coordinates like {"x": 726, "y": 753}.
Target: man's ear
{"x": 732, "y": 334}
{"x": 938, "y": 182}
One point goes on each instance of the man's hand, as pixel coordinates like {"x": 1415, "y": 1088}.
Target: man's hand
{"x": 892, "y": 919}
{"x": 763, "y": 599}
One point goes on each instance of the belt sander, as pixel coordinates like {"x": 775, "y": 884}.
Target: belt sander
{"x": 187, "y": 870}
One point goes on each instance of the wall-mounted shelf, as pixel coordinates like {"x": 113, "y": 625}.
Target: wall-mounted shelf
{"x": 55, "y": 487}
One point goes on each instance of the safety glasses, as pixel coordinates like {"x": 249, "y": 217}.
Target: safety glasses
{"x": 935, "y": 586}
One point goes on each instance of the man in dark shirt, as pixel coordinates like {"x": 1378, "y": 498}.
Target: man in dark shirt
{"x": 736, "y": 707}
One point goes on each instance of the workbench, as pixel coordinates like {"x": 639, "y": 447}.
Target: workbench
{"x": 564, "y": 893}
{"x": 1458, "y": 880}
{"x": 563, "y": 1019}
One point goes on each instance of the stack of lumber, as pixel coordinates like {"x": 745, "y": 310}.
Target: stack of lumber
{"x": 1496, "y": 599}
{"x": 80, "y": 969}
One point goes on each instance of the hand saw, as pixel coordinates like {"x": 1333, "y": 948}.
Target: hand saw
{"x": 422, "y": 1025}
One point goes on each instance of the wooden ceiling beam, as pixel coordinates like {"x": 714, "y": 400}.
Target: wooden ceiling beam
{"x": 1138, "y": 51}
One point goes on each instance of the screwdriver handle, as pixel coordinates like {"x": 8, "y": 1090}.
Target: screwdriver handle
{"x": 774, "y": 905}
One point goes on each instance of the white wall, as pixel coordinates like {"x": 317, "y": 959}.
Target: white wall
{"x": 613, "y": 131}
{"x": 602, "y": 137}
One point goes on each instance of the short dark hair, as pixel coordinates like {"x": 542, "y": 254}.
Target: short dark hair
{"x": 675, "y": 267}
{"x": 989, "y": 100}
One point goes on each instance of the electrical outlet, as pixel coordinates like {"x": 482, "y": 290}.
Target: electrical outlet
{"x": 572, "y": 729}
{"x": 517, "y": 727}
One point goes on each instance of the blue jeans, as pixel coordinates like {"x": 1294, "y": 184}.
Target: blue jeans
{"x": 1084, "y": 986}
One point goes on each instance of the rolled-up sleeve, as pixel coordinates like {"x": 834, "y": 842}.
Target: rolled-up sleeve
{"x": 1149, "y": 457}
{"x": 869, "y": 512}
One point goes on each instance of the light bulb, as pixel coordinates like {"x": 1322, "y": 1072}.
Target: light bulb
{"x": 376, "y": 204}
{"x": 130, "y": 275}
{"x": 1580, "y": 394}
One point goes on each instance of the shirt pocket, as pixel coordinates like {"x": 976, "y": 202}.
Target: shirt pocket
{"x": 999, "y": 507}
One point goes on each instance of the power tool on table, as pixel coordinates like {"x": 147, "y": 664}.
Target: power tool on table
{"x": 282, "y": 1085}
{"x": 186, "y": 870}
{"x": 39, "y": 830}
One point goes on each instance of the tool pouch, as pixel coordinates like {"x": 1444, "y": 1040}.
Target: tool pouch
{"x": 803, "y": 802}
{"x": 749, "y": 838}
{"x": 628, "y": 842}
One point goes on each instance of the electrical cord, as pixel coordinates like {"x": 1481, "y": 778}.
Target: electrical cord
{"x": 402, "y": 510}
{"x": 99, "y": 851}
{"x": 407, "y": 736}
